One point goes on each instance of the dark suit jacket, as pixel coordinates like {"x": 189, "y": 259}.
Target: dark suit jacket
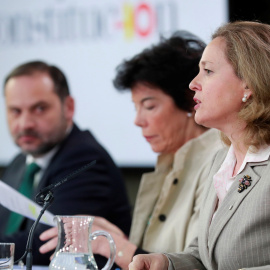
{"x": 99, "y": 191}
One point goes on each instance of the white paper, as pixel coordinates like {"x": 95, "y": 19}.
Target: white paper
{"x": 16, "y": 202}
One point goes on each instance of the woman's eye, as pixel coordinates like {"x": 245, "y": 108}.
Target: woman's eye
{"x": 149, "y": 108}
{"x": 208, "y": 71}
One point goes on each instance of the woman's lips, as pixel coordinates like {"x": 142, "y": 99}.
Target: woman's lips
{"x": 149, "y": 138}
{"x": 198, "y": 103}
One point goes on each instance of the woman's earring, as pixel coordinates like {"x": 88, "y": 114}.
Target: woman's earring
{"x": 244, "y": 99}
{"x": 189, "y": 114}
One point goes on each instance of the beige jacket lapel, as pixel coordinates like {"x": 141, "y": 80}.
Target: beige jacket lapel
{"x": 231, "y": 202}
{"x": 208, "y": 208}
{"x": 148, "y": 193}
{"x": 206, "y": 218}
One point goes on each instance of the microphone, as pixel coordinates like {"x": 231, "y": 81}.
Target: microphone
{"x": 45, "y": 198}
{"x": 40, "y": 197}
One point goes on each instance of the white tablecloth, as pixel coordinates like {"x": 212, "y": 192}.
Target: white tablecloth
{"x": 35, "y": 267}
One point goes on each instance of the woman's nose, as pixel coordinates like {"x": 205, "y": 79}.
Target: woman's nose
{"x": 195, "y": 85}
{"x": 139, "y": 120}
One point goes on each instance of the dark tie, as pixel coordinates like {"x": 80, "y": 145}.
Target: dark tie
{"x": 26, "y": 189}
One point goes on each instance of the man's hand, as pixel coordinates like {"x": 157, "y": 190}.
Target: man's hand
{"x": 155, "y": 261}
{"x": 52, "y": 236}
{"x": 100, "y": 223}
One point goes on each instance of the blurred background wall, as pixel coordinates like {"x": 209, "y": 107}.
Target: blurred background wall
{"x": 87, "y": 40}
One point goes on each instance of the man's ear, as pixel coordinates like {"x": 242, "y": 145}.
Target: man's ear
{"x": 69, "y": 108}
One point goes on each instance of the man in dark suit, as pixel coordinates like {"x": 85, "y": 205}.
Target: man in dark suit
{"x": 40, "y": 117}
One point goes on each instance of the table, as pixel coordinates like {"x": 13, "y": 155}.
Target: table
{"x": 35, "y": 267}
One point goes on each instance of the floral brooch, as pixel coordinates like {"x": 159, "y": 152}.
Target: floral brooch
{"x": 244, "y": 183}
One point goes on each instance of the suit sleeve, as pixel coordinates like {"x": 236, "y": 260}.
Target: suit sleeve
{"x": 98, "y": 191}
{"x": 187, "y": 260}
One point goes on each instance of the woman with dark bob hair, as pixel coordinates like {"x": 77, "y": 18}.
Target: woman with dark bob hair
{"x": 168, "y": 201}
{"x": 232, "y": 92}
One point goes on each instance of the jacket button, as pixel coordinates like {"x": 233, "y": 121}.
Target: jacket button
{"x": 175, "y": 181}
{"x": 162, "y": 217}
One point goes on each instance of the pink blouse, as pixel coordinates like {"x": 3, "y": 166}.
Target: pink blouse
{"x": 223, "y": 178}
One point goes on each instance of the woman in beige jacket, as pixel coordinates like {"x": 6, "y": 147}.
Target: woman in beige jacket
{"x": 232, "y": 94}
{"x": 167, "y": 206}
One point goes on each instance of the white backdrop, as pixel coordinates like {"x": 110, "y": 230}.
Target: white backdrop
{"x": 87, "y": 39}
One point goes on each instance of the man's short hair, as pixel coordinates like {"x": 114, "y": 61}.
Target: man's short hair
{"x": 60, "y": 82}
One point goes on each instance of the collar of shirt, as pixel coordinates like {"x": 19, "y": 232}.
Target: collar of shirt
{"x": 223, "y": 179}
{"x": 44, "y": 160}
{"x": 259, "y": 156}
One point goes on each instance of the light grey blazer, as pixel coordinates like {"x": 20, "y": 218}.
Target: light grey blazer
{"x": 239, "y": 235}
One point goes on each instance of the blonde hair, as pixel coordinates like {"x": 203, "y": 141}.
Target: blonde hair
{"x": 248, "y": 51}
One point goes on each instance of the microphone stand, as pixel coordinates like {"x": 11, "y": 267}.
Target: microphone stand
{"x": 45, "y": 197}
{"x": 29, "y": 254}
{"x": 45, "y": 191}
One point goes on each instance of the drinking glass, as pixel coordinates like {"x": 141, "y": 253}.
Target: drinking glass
{"x": 7, "y": 255}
